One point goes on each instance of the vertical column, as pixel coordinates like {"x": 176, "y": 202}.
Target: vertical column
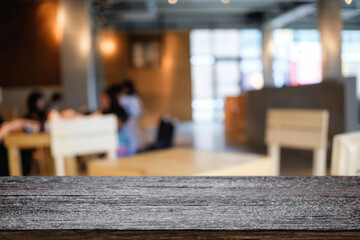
{"x": 77, "y": 55}
{"x": 330, "y": 27}
{"x": 98, "y": 62}
{"x": 267, "y": 57}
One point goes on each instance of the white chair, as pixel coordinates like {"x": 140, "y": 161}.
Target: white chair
{"x": 82, "y": 136}
{"x": 299, "y": 129}
{"x": 345, "y": 159}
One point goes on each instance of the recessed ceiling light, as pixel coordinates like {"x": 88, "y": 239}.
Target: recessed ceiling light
{"x": 172, "y": 1}
{"x": 348, "y": 2}
{"x": 225, "y": 1}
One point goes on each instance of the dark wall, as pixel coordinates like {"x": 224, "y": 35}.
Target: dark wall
{"x": 29, "y": 43}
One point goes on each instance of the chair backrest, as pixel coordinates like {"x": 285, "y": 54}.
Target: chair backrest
{"x": 84, "y": 135}
{"x": 297, "y": 128}
{"x": 165, "y": 134}
{"x": 345, "y": 159}
{"x": 300, "y": 129}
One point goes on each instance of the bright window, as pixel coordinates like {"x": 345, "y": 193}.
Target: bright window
{"x": 224, "y": 62}
{"x": 350, "y": 48}
{"x": 297, "y": 57}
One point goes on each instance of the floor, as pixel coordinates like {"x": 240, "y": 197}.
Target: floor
{"x": 211, "y": 137}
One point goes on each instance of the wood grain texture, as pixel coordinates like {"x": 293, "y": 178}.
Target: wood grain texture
{"x": 183, "y": 207}
{"x": 176, "y": 235}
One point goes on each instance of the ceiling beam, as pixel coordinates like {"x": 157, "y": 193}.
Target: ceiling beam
{"x": 291, "y": 16}
{"x": 348, "y": 14}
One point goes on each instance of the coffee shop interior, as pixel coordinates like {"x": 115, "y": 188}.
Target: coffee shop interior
{"x": 179, "y": 87}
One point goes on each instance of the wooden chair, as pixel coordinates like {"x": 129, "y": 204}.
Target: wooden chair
{"x": 235, "y": 120}
{"x": 165, "y": 134}
{"x": 345, "y": 159}
{"x": 300, "y": 129}
{"x": 82, "y": 136}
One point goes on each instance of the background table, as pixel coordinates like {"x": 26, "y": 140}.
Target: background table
{"x": 15, "y": 142}
{"x": 180, "y": 207}
{"x": 183, "y": 162}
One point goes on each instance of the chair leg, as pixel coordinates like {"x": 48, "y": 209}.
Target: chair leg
{"x": 50, "y": 168}
{"x": 14, "y": 161}
{"x": 71, "y": 166}
{"x": 352, "y": 169}
{"x": 319, "y": 164}
{"x": 335, "y": 157}
{"x": 111, "y": 155}
{"x": 42, "y": 162}
{"x": 274, "y": 153}
{"x": 59, "y": 166}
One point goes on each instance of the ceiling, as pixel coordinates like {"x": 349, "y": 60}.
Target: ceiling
{"x": 190, "y": 14}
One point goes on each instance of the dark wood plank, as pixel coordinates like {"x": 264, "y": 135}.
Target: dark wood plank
{"x": 175, "y": 235}
{"x": 180, "y": 207}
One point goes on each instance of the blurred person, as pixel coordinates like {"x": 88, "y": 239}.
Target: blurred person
{"x": 109, "y": 104}
{"x": 55, "y": 102}
{"x": 131, "y": 102}
{"x": 5, "y": 129}
{"x": 35, "y": 111}
{"x": 64, "y": 114}
{"x": 36, "y": 108}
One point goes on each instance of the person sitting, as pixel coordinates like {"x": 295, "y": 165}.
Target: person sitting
{"x": 36, "y": 108}
{"x": 55, "y": 102}
{"x": 35, "y": 111}
{"x": 109, "y": 105}
{"x": 131, "y": 102}
{"x": 7, "y": 128}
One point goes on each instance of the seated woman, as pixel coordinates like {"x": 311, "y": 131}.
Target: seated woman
{"x": 36, "y": 108}
{"x": 5, "y": 129}
{"x": 132, "y": 104}
{"x": 35, "y": 111}
{"x": 55, "y": 102}
{"x": 109, "y": 105}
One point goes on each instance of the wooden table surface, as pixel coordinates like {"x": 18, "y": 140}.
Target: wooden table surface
{"x": 17, "y": 141}
{"x": 183, "y": 162}
{"x": 180, "y": 207}
{"x": 25, "y": 140}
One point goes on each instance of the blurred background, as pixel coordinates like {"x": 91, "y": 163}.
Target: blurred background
{"x": 212, "y": 68}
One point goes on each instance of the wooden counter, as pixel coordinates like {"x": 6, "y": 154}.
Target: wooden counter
{"x": 179, "y": 207}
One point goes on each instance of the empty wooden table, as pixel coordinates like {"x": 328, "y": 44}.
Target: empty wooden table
{"x": 15, "y": 142}
{"x": 183, "y": 162}
{"x": 180, "y": 208}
